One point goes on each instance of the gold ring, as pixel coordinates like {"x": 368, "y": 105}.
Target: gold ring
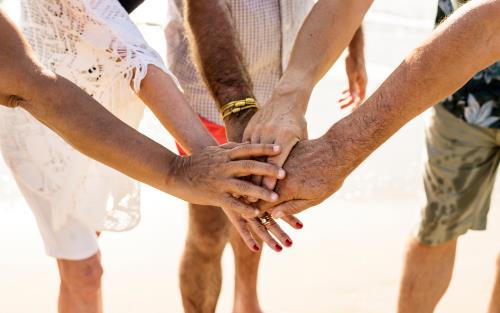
{"x": 265, "y": 219}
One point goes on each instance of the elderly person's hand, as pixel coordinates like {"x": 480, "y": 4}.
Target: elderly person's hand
{"x": 281, "y": 121}
{"x": 264, "y": 227}
{"x": 211, "y": 176}
{"x": 315, "y": 170}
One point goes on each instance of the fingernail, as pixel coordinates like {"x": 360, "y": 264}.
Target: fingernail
{"x": 276, "y": 148}
{"x": 288, "y": 243}
{"x": 281, "y": 173}
{"x": 299, "y": 225}
{"x": 256, "y": 247}
{"x": 256, "y": 213}
{"x": 274, "y": 196}
{"x": 278, "y": 247}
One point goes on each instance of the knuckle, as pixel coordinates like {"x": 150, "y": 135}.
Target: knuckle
{"x": 13, "y": 101}
{"x": 248, "y": 164}
{"x": 241, "y": 186}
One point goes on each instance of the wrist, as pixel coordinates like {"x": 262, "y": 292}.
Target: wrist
{"x": 236, "y": 124}
{"x": 356, "y": 58}
{"x": 343, "y": 150}
{"x": 293, "y": 95}
{"x": 174, "y": 179}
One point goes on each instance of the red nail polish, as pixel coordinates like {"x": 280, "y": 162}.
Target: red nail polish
{"x": 288, "y": 243}
{"x": 299, "y": 225}
{"x": 256, "y": 248}
{"x": 278, "y": 248}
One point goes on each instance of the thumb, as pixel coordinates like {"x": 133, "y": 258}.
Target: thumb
{"x": 291, "y": 207}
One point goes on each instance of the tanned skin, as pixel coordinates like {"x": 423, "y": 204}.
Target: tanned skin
{"x": 408, "y": 91}
{"x": 318, "y": 168}
{"x": 218, "y": 57}
{"x": 93, "y": 130}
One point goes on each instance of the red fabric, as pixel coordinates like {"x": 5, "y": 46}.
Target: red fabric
{"x": 219, "y": 133}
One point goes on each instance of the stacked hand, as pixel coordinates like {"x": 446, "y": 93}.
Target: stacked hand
{"x": 309, "y": 181}
{"x": 211, "y": 176}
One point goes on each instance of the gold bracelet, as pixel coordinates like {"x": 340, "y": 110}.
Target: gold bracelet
{"x": 238, "y": 106}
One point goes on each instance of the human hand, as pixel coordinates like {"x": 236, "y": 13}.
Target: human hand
{"x": 281, "y": 121}
{"x": 270, "y": 233}
{"x": 355, "y": 94}
{"x": 211, "y": 176}
{"x": 314, "y": 172}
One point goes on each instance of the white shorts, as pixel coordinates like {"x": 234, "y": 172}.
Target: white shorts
{"x": 72, "y": 241}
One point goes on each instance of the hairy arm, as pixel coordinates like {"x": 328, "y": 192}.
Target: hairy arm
{"x": 218, "y": 57}
{"x": 207, "y": 177}
{"x": 412, "y": 88}
{"x": 329, "y": 28}
{"x": 217, "y": 54}
{"x": 415, "y": 86}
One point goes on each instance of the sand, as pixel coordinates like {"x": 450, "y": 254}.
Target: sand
{"x": 348, "y": 257}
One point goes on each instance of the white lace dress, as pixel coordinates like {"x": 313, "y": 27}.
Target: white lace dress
{"x": 94, "y": 44}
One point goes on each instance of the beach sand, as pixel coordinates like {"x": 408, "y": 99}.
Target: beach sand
{"x": 348, "y": 257}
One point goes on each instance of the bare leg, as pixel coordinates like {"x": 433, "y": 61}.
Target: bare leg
{"x": 247, "y": 269}
{"x": 200, "y": 274}
{"x": 427, "y": 275}
{"x": 80, "y": 290}
{"x": 495, "y": 296}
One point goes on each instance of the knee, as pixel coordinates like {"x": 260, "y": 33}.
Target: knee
{"x": 208, "y": 236}
{"x": 208, "y": 242}
{"x": 81, "y": 275}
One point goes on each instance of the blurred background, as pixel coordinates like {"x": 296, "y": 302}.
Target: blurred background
{"x": 348, "y": 257}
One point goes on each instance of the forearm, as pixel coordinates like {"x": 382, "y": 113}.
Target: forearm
{"x": 94, "y": 131}
{"x": 218, "y": 57}
{"x": 169, "y": 105}
{"x": 325, "y": 34}
{"x": 437, "y": 68}
{"x": 357, "y": 44}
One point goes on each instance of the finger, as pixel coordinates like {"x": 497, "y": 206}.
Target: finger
{"x": 241, "y": 226}
{"x": 256, "y": 180}
{"x": 251, "y": 167}
{"x": 344, "y": 98}
{"x": 261, "y": 231}
{"x": 248, "y": 189}
{"x": 247, "y": 135}
{"x": 291, "y": 207}
{"x": 239, "y": 207}
{"x": 344, "y": 94}
{"x": 293, "y": 221}
{"x": 278, "y": 232}
{"x": 347, "y": 103}
{"x": 230, "y": 145}
{"x": 280, "y": 159}
{"x": 249, "y": 151}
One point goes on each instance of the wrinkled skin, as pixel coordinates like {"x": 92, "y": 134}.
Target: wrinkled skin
{"x": 280, "y": 122}
{"x": 202, "y": 177}
{"x": 312, "y": 177}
